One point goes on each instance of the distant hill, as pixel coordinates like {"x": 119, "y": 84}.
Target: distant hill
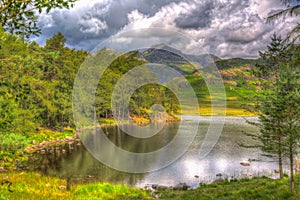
{"x": 235, "y": 62}
{"x": 163, "y": 54}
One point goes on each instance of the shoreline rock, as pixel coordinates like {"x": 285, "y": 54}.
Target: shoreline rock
{"x": 245, "y": 163}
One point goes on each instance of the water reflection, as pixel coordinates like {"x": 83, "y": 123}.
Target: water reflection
{"x": 224, "y": 158}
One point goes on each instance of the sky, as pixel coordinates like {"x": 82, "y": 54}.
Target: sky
{"x": 225, "y": 28}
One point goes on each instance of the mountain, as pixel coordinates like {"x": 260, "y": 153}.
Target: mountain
{"x": 163, "y": 54}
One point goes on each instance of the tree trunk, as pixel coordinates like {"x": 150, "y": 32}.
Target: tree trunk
{"x": 280, "y": 159}
{"x": 292, "y": 181}
{"x": 68, "y": 184}
{"x": 280, "y": 166}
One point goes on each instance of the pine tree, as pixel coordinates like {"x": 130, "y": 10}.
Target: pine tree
{"x": 269, "y": 101}
{"x": 291, "y": 9}
{"x": 279, "y": 112}
{"x": 272, "y": 59}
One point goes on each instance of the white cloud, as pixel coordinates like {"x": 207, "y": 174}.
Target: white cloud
{"x": 227, "y": 28}
{"x": 93, "y": 25}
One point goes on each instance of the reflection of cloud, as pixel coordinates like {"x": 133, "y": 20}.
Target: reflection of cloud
{"x": 227, "y": 28}
{"x": 192, "y": 167}
{"x": 222, "y": 164}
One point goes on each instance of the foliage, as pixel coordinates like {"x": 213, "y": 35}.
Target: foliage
{"x": 278, "y": 103}
{"x": 273, "y": 58}
{"x": 255, "y": 188}
{"x": 291, "y": 10}
{"x": 36, "y": 84}
{"x": 34, "y": 186}
{"x": 141, "y": 100}
{"x": 20, "y": 17}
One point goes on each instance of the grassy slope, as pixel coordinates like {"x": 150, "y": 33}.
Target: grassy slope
{"x": 256, "y": 188}
{"x": 34, "y": 186}
{"x": 237, "y": 76}
{"x": 240, "y": 86}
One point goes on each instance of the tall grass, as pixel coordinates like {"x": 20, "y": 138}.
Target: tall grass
{"x": 256, "y": 188}
{"x": 33, "y": 186}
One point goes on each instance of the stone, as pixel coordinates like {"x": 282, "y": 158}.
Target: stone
{"x": 159, "y": 187}
{"x": 245, "y": 163}
{"x": 219, "y": 180}
{"x": 162, "y": 187}
{"x": 154, "y": 186}
{"x": 62, "y": 187}
{"x": 181, "y": 186}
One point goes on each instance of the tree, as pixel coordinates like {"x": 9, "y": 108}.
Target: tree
{"x": 20, "y": 16}
{"x": 276, "y": 54}
{"x": 279, "y": 105}
{"x": 56, "y": 42}
{"x": 269, "y": 101}
{"x": 289, "y": 89}
{"x": 292, "y": 9}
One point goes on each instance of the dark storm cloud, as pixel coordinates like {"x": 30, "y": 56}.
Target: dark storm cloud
{"x": 85, "y": 27}
{"x": 199, "y": 17}
{"x": 226, "y": 28}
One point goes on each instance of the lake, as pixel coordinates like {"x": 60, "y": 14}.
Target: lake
{"x": 224, "y": 158}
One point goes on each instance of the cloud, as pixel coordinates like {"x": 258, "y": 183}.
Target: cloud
{"x": 198, "y": 17}
{"x": 226, "y": 28}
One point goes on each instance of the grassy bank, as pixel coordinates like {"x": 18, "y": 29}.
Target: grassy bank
{"x": 256, "y": 188}
{"x": 12, "y": 145}
{"x": 34, "y": 186}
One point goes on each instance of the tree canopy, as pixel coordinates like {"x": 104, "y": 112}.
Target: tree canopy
{"x": 20, "y": 16}
{"x": 292, "y": 8}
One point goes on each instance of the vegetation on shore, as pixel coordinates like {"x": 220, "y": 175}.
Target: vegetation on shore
{"x": 33, "y": 186}
{"x": 256, "y": 188}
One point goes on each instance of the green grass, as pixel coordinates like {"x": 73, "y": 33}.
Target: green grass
{"x": 256, "y": 188}
{"x": 237, "y": 96}
{"x": 33, "y": 186}
{"x": 12, "y": 145}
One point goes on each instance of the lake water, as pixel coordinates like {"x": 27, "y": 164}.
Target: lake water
{"x": 224, "y": 158}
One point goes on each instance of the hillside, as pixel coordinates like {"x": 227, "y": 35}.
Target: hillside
{"x": 240, "y": 84}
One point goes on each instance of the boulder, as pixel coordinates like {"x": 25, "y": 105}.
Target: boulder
{"x": 219, "y": 180}
{"x": 181, "y": 186}
{"x": 154, "y": 186}
{"x": 245, "y": 163}
{"x": 159, "y": 187}
{"x": 162, "y": 187}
